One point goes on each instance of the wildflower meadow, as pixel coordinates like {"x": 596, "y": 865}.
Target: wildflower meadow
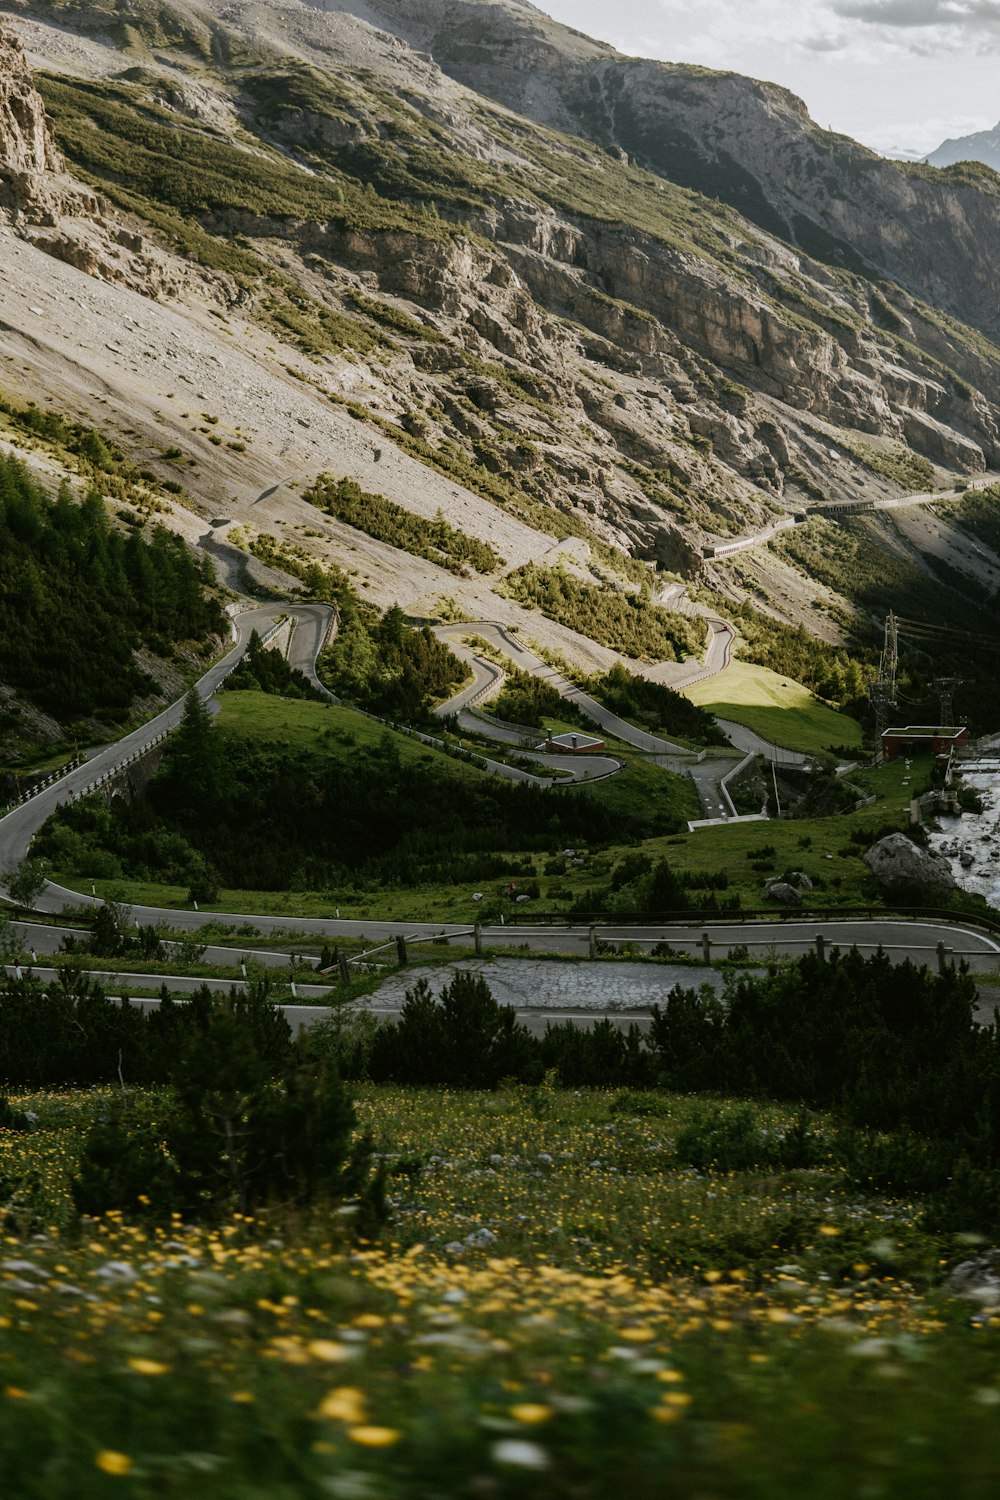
{"x": 558, "y": 1305}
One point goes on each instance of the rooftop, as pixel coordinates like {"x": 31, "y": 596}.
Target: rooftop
{"x": 929, "y": 731}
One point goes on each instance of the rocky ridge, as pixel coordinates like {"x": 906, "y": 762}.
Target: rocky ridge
{"x": 983, "y": 146}
{"x": 751, "y": 143}
{"x": 50, "y": 207}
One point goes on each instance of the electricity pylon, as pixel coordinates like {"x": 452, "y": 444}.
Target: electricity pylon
{"x": 882, "y": 692}
{"x": 946, "y": 688}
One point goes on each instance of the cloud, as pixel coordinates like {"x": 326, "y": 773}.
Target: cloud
{"x": 824, "y": 42}
{"x": 967, "y": 16}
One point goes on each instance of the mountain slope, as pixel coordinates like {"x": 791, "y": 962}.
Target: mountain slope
{"x": 983, "y": 146}
{"x": 366, "y": 268}
{"x": 752, "y": 144}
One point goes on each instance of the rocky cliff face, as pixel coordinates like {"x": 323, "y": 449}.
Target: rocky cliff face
{"x": 750, "y": 144}
{"x": 49, "y": 207}
{"x": 27, "y": 150}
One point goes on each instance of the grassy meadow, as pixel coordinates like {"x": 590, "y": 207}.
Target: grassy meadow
{"x": 781, "y": 710}
{"x": 750, "y": 853}
{"x": 559, "y": 1307}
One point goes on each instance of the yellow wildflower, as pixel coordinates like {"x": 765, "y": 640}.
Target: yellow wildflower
{"x": 374, "y": 1437}
{"x": 345, "y": 1404}
{"x": 531, "y": 1412}
{"x": 327, "y": 1350}
{"x": 110, "y": 1462}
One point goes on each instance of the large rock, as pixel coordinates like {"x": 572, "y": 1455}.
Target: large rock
{"x": 26, "y": 146}
{"x": 896, "y": 861}
{"x": 784, "y": 892}
{"x": 978, "y": 1278}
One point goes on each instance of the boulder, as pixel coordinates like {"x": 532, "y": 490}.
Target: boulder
{"x": 800, "y": 880}
{"x": 978, "y": 1278}
{"x": 781, "y": 890}
{"x": 896, "y": 861}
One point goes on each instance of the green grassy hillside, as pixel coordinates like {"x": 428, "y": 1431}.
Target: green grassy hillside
{"x": 297, "y": 805}
{"x": 782, "y": 711}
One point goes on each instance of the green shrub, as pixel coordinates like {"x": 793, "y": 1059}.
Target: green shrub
{"x": 383, "y": 519}
{"x": 625, "y": 622}
{"x": 250, "y": 1123}
{"x": 465, "y": 1039}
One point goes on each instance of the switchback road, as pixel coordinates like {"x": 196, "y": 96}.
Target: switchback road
{"x": 505, "y": 641}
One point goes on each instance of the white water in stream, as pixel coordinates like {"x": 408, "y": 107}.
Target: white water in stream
{"x": 971, "y": 843}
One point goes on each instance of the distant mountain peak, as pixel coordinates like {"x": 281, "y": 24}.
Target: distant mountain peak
{"x": 983, "y": 145}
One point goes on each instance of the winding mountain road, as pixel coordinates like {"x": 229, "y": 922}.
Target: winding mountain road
{"x": 313, "y": 623}
{"x": 503, "y": 640}
{"x": 785, "y": 937}
{"x": 487, "y": 681}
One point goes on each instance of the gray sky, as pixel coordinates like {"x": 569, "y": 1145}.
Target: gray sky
{"x": 900, "y": 75}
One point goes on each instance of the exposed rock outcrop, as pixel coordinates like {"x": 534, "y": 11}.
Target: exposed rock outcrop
{"x": 27, "y": 151}
{"x": 51, "y": 208}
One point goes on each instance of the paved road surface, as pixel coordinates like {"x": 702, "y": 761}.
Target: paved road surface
{"x": 39, "y": 937}
{"x": 543, "y": 991}
{"x": 487, "y": 679}
{"x": 310, "y": 633}
{"x": 500, "y": 637}
{"x": 746, "y": 740}
{"x": 19, "y": 827}
{"x": 717, "y": 657}
{"x": 788, "y": 937}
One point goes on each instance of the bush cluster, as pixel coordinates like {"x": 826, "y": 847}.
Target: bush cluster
{"x": 525, "y": 699}
{"x": 655, "y": 706}
{"x": 638, "y": 884}
{"x": 268, "y": 672}
{"x": 626, "y": 622}
{"x": 249, "y": 1119}
{"x": 379, "y": 517}
{"x": 383, "y": 666}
